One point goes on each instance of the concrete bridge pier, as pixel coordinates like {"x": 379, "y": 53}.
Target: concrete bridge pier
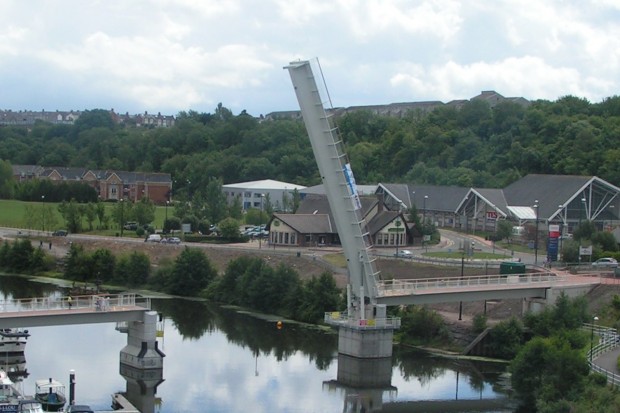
{"x": 141, "y": 351}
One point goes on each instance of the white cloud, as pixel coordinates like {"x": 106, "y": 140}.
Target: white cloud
{"x": 178, "y": 54}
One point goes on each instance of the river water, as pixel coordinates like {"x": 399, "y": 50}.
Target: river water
{"x": 220, "y": 360}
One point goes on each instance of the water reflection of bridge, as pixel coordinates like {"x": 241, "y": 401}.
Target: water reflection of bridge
{"x": 365, "y": 383}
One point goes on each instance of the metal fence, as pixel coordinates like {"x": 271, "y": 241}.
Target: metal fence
{"x": 408, "y": 287}
{"x": 103, "y": 302}
{"x": 338, "y": 318}
{"x": 609, "y": 340}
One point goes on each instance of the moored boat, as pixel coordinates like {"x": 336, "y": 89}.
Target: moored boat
{"x": 13, "y": 340}
{"x": 51, "y": 394}
{"x": 11, "y": 399}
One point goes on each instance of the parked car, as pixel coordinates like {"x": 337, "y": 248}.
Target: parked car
{"x": 404, "y": 254}
{"x": 606, "y": 262}
{"x": 171, "y": 240}
{"x": 59, "y": 233}
{"x": 131, "y": 226}
{"x": 153, "y": 238}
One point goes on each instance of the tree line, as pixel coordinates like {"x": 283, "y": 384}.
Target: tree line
{"x": 474, "y": 145}
{"x": 247, "y": 281}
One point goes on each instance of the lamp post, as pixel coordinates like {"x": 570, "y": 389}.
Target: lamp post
{"x": 536, "y": 235}
{"x": 424, "y": 221}
{"x": 561, "y": 233}
{"x": 122, "y": 217}
{"x": 583, "y": 203}
{"x": 43, "y": 212}
{"x": 260, "y": 234}
{"x": 595, "y": 319}
{"x": 166, "y": 219}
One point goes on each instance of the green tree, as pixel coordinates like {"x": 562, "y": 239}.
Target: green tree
{"x": 133, "y": 269}
{"x": 295, "y": 201}
{"x": 90, "y": 213}
{"x": 192, "y": 273}
{"x": 144, "y": 211}
{"x": 216, "y": 207}
{"x": 20, "y": 256}
{"x": 235, "y": 209}
{"x": 101, "y": 216}
{"x": 505, "y": 339}
{"x": 319, "y": 296}
{"x": 72, "y": 214}
{"x": 122, "y": 213}
{"x": 548, "y": 370}
{"x": 229, "y": 228}
{"x": 504, "y": 229}
{"x": 102, "y": 265}
{"x": 77, "y": 263}
{"x": 7, "y": 184}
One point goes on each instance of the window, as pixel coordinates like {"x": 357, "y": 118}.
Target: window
{"x": 293, "y": 241}
{"x": 247, "y": 194}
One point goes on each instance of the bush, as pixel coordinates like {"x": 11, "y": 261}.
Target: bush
{"x": 480, "y": 323}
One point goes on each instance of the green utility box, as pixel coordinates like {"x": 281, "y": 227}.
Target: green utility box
{"x": 507, "y": 268}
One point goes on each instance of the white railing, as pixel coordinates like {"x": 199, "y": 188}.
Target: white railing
{"x": 337, "y": 318}
{"x": 102, "y": 302}
{"x": 408, "y": 287}
{"x": 609, "y": 340}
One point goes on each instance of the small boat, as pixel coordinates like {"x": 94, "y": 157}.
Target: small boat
{"x": 11, "y": 399}
{"x": 51, "y": 394}
{"x": 13, "y": 340}
{"x": 14, "y": 364}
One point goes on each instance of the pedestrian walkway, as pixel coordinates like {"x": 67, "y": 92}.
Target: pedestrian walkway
{"x": 609, "y": 361}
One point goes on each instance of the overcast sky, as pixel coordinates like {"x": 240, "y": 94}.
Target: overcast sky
{"x": 172, "y": 55}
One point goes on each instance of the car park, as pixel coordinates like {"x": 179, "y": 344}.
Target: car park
{"x": 404, "y": 254}
{"x": 606, "y": 262}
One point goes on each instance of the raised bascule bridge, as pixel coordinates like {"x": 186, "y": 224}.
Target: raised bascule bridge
{"x": 365, "y": 330}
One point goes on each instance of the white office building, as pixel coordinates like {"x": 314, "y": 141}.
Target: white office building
{"x": 256, "y": 193}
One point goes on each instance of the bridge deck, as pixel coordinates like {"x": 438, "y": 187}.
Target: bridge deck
{"x": 33, "y": 312}
{"x": 394, "y": 292}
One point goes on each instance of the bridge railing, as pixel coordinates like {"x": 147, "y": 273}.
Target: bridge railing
{"x": 103, "y": 302}
{"x": 608, "y": 340}
{"x": 406, "y": 287}
{"x": 342, "y": 318}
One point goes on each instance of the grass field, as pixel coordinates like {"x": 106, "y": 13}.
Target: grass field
{"x": 18, "y": 214}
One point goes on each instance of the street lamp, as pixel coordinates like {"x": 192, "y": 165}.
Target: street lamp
{"x": 561, "y": 233}
{"x": 260, "y": 234}
{"x": 583, "y": 202}
{"x": 592, "y": 339}
{"x": 43, "y": 212}
{"x": 424, "y": 220}
{"x": 166, "y": 219}
{"x": 122, "y": 217}
{"x": 536, "y": 235}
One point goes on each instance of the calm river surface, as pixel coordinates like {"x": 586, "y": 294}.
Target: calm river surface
{"x": 218, "y": 360}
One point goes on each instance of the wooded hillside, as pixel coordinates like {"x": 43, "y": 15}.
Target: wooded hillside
{"x": 474, "y": 146}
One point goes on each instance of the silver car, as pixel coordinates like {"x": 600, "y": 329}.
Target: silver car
{"x": 606, "y": 262}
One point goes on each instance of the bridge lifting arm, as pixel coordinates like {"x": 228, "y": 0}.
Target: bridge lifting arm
{"x": 339, "y": 185}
